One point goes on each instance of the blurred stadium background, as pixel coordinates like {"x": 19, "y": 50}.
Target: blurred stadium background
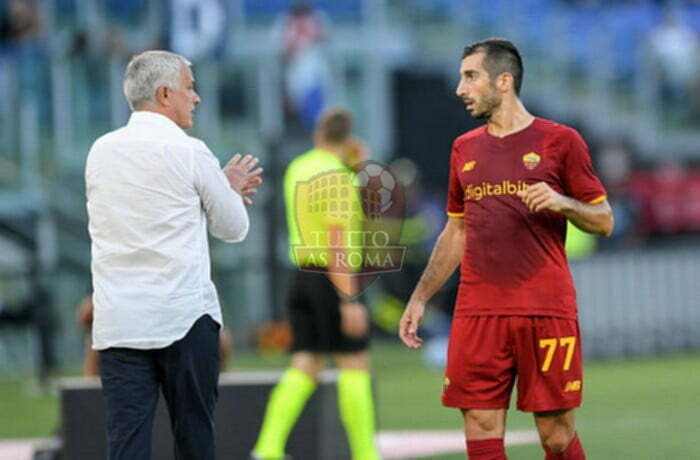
{"x": 625, "y": 73}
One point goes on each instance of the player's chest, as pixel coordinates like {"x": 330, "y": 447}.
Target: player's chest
{"x": 527, "y": 163}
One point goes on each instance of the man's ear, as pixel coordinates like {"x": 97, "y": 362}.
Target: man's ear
{"x": 505, "y": 81}
{"x": 163, "y": 96}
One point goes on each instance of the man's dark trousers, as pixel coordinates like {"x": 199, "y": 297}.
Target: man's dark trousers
{"x": 187, "y": 372}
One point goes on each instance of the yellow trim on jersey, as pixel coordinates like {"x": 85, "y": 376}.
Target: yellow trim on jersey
{"x": 455, "y": 214}
{"x": 600, "y": 199}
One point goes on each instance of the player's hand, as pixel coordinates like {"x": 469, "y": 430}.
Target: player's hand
{"x": 353, "y": 319}
{"x": 242, "y": 177}
{"x": 408, "y": 326}
{"x": 540, "y": 196}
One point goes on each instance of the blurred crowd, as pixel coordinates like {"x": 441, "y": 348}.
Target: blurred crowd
{"x": 660, "y": 34}
{"x": 652, "y": 199}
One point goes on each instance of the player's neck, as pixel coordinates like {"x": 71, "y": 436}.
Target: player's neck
{"x": 509, "y": 118}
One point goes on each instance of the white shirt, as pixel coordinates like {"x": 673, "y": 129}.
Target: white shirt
{"x": 152, "y": 192}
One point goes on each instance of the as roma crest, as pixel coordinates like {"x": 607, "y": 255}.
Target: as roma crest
{"x": 531, "y": 160}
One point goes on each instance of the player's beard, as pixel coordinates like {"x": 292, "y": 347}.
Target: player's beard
{"x": 491, "y": 101}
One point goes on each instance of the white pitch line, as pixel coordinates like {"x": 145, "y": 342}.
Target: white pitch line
{"x": 20, "y": 449}
{"x": 413, "y": 444}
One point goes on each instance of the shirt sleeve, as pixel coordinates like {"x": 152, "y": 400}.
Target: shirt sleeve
{"x": 227, "y": 217}
{"x": 455, "y": 194}
{"x": 580, "y": 180}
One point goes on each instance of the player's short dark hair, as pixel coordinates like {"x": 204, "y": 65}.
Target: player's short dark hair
{"x": 501, "y": 56}
{"x": 335, "y": 125}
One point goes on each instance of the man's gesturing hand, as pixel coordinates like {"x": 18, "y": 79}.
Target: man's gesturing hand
{"x": 242, "y": 177}
{"x": 540, "y": 196}
{"x": 408, "y": 326}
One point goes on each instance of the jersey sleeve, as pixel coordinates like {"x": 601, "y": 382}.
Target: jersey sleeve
{"x": 580, "y": 180}
{"x": 455, "y": 194}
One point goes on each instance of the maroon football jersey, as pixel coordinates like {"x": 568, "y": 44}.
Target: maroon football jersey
{"x": 514, "y": 261}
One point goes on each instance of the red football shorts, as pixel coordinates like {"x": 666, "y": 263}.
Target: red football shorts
{"x": 487, "y": 353}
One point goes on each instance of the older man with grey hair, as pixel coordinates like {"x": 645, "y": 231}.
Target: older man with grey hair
{"x": 152, "y": 194}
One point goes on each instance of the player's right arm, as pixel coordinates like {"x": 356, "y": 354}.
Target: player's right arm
{"x": 444, "y": 260}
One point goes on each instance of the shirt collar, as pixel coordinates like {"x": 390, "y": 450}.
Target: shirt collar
{"x": 147, "y": 116}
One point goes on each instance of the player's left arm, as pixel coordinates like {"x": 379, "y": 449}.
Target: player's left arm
{"x": 594, "y": 218}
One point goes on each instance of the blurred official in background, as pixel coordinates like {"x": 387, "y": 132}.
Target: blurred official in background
{"x": 152, "y": 194}
{"x": 325, "y": 316}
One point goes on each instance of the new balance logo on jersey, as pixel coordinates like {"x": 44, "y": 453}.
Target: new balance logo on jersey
{"x": 468, "y": 166}
{"x": 506, "y": 187}
{"x": 572, "y": 385}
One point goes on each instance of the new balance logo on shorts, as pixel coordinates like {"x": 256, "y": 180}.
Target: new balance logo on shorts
{"x": 572, "y": 385}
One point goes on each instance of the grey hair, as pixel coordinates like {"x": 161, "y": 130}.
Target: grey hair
{"x": 150, "y": 70}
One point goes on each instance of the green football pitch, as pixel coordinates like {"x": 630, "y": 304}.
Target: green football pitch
{"x": 639, "y": 409}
